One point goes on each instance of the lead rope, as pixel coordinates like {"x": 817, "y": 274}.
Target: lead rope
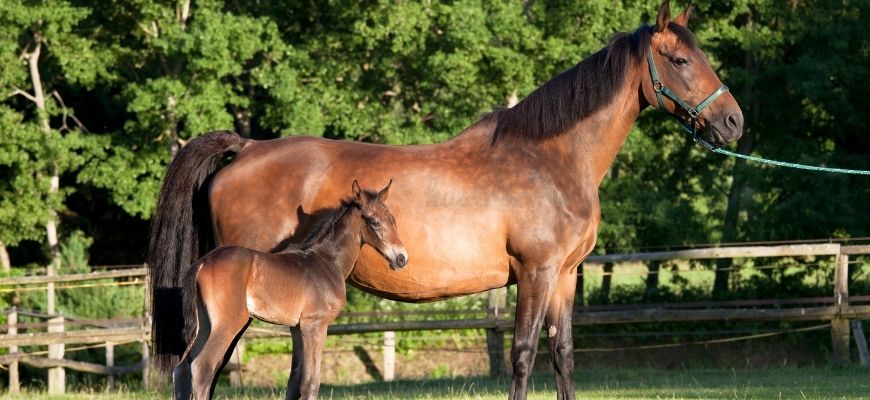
{"x": 692, "y": 127}
{"x": 789, "y": 164}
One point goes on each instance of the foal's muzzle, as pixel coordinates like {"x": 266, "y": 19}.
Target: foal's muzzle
{"x": 398, "y": 259}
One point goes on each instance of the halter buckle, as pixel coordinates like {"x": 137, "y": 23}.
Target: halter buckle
{"x": 699, "y": 140}
{"x": 707, "y": 145}
{"x": 658, "y": 86}
{"x": 693, "y": 112}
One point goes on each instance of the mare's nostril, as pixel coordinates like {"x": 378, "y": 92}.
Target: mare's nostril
{"x": 731, "y": 121}
{"x": 401, "y": 260}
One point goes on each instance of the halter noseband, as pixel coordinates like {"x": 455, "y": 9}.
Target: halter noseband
{"x": 694, "y": 112}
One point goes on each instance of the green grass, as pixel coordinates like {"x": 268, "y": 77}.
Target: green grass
{"x": 805, "y": 383}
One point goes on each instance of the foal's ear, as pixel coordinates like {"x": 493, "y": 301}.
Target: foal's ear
{"x": 683, "y": 18}
{"x": 664, "y": 17}
{"x": 384, "y": 193}
{"x": 357, "y": 192}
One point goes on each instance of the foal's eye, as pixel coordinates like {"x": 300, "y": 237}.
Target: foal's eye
{"x": 374, "y": 223}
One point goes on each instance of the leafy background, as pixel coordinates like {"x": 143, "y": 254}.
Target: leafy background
{"x": 127, "y": 82}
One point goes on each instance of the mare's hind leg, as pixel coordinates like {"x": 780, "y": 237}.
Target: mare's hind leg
{"x": 294, "y": 383}
{"x": 313, "y": 336}
{"x": 558, "y": 328}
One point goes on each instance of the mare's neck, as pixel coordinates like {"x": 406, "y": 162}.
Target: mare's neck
{"x": 341, "y": 251}
{"x": 592, "y": 144}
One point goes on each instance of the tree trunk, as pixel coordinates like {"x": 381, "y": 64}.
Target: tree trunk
{"x": 172, "y": 129}
{"x": 606, "y": 280}
{"x": 242, "y": 119}
{"x": 580, "y": 292}
{"x": 5, "y": 264}
{"x": 652, "y": 279}
{"x": 52, "y": 244}
{"x": 732, "y": 212}
{"x": 738, "y": 182}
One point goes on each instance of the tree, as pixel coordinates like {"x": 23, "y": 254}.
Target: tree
{"x": 42, "y": 52}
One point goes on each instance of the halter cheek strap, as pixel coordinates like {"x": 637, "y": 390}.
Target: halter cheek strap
{"x": 694, "y": 112}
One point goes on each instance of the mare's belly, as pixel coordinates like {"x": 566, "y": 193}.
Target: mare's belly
{"x": 460, "y": 263}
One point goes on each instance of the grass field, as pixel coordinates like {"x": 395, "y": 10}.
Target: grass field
{"x": 806, "y": 383}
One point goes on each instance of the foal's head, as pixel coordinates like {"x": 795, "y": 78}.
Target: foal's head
{"x": 379, "y": 230}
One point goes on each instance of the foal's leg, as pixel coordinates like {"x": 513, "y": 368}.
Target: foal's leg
{"x": 182, "y": 378}
{"x": 294, "y": 383}
{"x": 314, "y": 336}
{"x": 225, "y": 330}
{"x": 223, "y": 305}
{"x": 535, "y": 285}
{"x": 558, "y": 328}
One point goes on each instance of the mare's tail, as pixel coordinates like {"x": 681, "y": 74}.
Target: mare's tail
{"x": 181, "y": 233}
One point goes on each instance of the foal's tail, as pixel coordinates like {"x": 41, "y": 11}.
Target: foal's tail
{"x": 181, "y": 233}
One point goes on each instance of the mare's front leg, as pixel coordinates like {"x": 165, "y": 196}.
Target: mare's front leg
{"x": 535, "y": 285}
{"x": 558, "y": 326}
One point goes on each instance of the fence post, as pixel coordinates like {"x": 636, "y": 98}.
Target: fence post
{"x": 50, "y": 298}
{"x": 147, "y": 382}
{"x": 389, "y": 356}
{"x": 861, "y": 343}
{"x": 840, "y": 326}
{"x": 110, "y": 362}
{"x": 56, "y": 375}
{"x": 497, "y": 300}
{"x": 12, "y": 321}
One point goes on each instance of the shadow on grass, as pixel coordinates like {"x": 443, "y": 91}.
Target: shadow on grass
{"x": 453, "y": 388}
{"x": 809, "y": 383}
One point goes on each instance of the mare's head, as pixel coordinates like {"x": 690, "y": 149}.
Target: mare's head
{"x": 685, "y": 76}
{"x": 379, "y": 230}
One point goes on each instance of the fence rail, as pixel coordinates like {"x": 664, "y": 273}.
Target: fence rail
{"x": 840, "y": 310}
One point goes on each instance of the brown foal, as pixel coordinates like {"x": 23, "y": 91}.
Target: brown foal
{"x": 513, "y": 199}
{"x": 302, "y": 287}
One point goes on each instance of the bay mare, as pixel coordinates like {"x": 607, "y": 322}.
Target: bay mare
{"x": 513, "y": 199}
{"x": 302, "y": 287}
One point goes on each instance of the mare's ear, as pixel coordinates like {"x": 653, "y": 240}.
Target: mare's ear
{"x": 357, "y": 192}
{"x": 664, "y": 17}
{"x": 384, "y": 193}
{"x": 683, "y": 18}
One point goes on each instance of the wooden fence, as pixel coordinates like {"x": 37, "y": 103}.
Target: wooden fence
{"x": 840, "y": 310}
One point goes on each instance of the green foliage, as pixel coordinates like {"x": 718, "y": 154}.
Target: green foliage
{"x": 102, "y": 302}
{"x": 74, "y": 252}
{"x": 144, "y": 77}
{"x": 37, "y": 142}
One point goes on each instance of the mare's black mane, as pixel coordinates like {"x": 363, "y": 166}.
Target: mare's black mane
{"x": 557, "y": 105}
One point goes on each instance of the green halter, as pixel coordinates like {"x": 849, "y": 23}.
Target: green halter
{"x": 694, "y": 112}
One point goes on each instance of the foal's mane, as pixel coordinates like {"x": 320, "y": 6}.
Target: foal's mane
{"x": 558, "y": 104}
{"x": 324, "y": 230}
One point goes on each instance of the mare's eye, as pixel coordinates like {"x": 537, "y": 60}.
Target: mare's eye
{"x": 680, "y": 62}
